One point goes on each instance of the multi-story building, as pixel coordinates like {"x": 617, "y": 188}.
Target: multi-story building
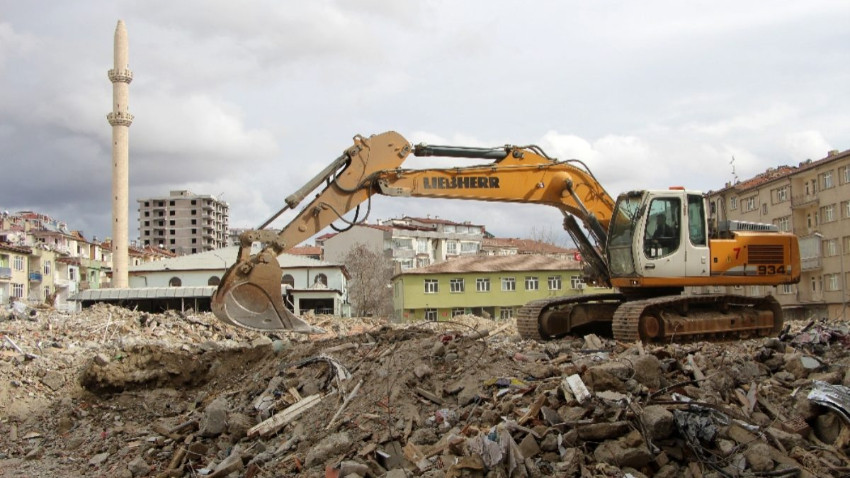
{"x": 410, "y": 242}
{"x": 183, "y": 222}
{"x": 497, "y": 246}
{"x": 488, "y": 286}
{"x": 812, "y": 200}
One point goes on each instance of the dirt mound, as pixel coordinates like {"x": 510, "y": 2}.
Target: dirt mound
{"x": 112, "y": 392}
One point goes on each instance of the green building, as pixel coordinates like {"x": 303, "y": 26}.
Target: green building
{"x": 488, "y": 286}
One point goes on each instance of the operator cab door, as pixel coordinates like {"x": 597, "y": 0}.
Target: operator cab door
{"x": 674, "y": 240}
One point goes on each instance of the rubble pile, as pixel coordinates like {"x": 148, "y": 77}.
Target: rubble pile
{"x": 116, "y": 393}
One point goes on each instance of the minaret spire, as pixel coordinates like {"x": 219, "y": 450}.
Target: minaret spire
{"x": 120, "y": 119}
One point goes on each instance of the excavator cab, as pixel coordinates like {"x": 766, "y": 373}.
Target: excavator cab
{"x": 659, "y": 234}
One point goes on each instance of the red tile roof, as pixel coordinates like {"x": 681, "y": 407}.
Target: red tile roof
{"x": 525, "y": 246}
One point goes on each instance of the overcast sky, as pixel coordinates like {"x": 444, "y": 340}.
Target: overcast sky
{"x": 248, "y": 100}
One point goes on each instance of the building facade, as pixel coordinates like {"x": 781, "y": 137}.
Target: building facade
{"x": 184, "y": 223}
{"x": 306, "y": 284}
{"x": 812, "y": 200}
{"x": 410, "y": 242}
{"x": 488, "y": 286}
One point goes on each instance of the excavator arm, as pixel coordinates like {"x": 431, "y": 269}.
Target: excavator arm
{"x": 249, "y": 294}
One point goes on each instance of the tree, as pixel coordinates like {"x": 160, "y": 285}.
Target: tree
{"x": 369, "y": 286}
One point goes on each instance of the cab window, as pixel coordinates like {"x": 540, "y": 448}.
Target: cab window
{"x": 662, "y": 236}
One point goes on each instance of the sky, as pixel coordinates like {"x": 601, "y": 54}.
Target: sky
{"x": 246, "y": 101}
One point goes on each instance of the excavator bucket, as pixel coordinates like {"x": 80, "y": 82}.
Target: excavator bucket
{"x": 249, "y": 296}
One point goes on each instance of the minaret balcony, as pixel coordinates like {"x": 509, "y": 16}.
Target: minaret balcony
{"x": 124, "y": 75}
{"x": 120, "y": 118}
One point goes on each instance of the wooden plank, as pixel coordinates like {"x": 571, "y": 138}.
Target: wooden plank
{"x": 280, "y": 420}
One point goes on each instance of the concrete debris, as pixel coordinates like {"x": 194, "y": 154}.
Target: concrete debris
{"x": 113, "y": 392}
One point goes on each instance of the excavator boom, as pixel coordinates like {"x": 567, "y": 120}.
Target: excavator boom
{"x": 249, "y": 294}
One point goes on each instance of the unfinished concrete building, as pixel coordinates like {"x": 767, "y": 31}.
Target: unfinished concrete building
{"x": 183, "y": 222}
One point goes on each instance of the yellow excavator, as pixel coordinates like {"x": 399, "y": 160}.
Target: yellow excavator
{"x": 648, "y": 245}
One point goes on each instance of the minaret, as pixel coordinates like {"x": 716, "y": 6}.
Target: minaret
{"x": 120, "y": 119}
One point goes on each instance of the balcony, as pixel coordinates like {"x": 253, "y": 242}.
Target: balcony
{"x": 803, "y": 200}
{"x": 5, "y": 273}
{"x": 810, "y": 263}
{"x": 35, "y": 276}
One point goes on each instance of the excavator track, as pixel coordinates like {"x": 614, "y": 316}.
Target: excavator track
{"x": 677, "y": 318}
{"x": 553, "y": 317}
{"x": 693, "y": 318}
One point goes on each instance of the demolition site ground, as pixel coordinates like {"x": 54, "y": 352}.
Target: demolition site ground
{"x": 110, "y": 392}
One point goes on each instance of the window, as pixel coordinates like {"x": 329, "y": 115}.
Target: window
{"x": 764, "y": 208}
{"x": 661, "y": 234}
{"x": 458, "y": 311}
{"x": 844, "y": 175}
{"x": 194, "y": 212}
{"x": 554, "y": 282}
{"x": 827, "y": 213}
{"x": 170, "y": 213}
{"x": 431, "y": 286}
{"x": 531, "y": 283}
{"x": 18, "y": 291}
{"x": 733, "y": 203}
{"x": 508, "y": 284}
{"x": 456, "y": 285}
{"x": 696, "y": 220}
{"x": 175, "y": 282}
{"x": 422, "y": 246}
{"x": 826, "y": 180}
{"x": 194, "y": 223}
{"x": 172, "y": 222}
{"x": 749, "y": 204}
{"x": 431, "y": 314}
{"x": 846, "y": 244}
{"x": 406, "y": 264}
{"x": 786, "y": 289}
{"x": 405, "y": 243}
{"x": 18, "y": 263}
{"x": 783, "y": 223}
{"x": 449, "y": 228}
{"x": 170, "y": 203}
{"x": 321, "y": 279}
{"x": 831, "y": 282}
{"x": 451, "y": 247}
{"x": 469, "y": 248}
{"x": 482, "y": 285}
{"x": 845, "y": 210}
{"x": 780, "y": 194}
{"x": 506, "y": 313}
{"x": 576, "y": 282}
{"x": 422, "y": 261}
{"x": 47, "y": 267}
{"x": 287, "y": 280}
{"x": 214, "y": 280}
{"x": 830, "y": 247}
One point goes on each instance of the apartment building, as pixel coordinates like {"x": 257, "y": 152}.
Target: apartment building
{"x": 184, "y": 223}
{"x": 498, "y": 246}
{"x": 812, "y": 200}
{"x": 48, "y": 262}
{"x": 410, "y": 242}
